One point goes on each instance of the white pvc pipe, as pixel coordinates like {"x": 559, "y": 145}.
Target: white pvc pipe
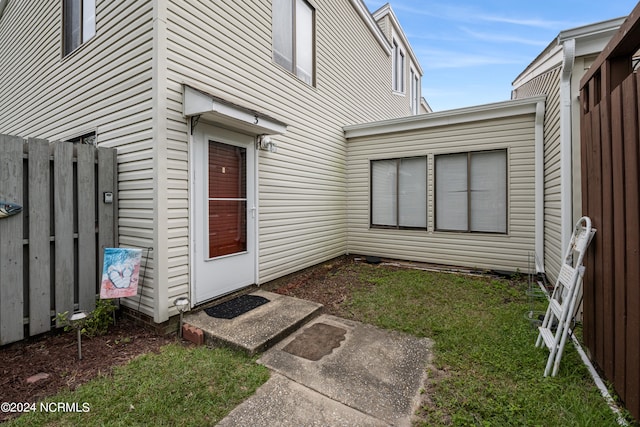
{"x": 566, "y": 174}
{"x": 594, "y": 374}
{"x": 539, "y": 187}
{"x": 599, "y": 383}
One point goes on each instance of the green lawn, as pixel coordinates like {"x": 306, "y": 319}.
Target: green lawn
{"x": 178, "y": 387}
{"x": 490, "y": 372}
{"x": 487, "y": 371}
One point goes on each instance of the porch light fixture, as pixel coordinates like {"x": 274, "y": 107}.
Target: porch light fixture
{"x": 77, "y": 321}
{"x": 265, "y": 143}
{"x": 181, "y": 303}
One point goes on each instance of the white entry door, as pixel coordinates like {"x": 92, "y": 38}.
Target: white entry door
{"x": 224, "y": 209}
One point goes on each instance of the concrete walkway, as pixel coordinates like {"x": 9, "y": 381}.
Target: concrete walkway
{"x": 372, "y": 378}
{"x": 325, "y": 371}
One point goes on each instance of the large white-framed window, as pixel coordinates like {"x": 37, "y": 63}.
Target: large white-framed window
{"x": 398, "y": 67}
{"x": 399, "y": 193}
{"x": 471, "y": 192}
{"x": 294, "y": 38}
{"x": 414, "y": 89}
{"x": 78, "y": 23}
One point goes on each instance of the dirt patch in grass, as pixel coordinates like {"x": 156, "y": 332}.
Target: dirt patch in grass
{"x": 33, "y": 369}
{"x": 330, "y": 284}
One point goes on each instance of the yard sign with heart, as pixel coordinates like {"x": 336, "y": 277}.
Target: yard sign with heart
{"x": 120, "y": 273}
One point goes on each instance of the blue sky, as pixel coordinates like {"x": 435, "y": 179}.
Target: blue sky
{"x": 471, "y": 51}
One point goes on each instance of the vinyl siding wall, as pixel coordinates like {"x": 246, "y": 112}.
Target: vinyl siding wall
{"x": 104, "y": 86}
{"x": 385, "y": 26}
{"x": 225, "y": 48}
{"x": 476, "y": 250}
{"x": 549, "y": 84}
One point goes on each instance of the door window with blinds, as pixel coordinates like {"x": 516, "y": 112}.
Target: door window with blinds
{"x": 227, "y": 199}
{"x": 471, "y": 192}
{"x": 399, "y": 193}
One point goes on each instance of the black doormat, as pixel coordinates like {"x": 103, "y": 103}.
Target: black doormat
{"x": 236, "y": 307}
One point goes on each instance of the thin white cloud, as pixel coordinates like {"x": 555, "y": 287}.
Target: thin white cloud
{"x": 471, "y": 13}
{"x": 440, "y": 59}
{"x": 502, "y": 38}
{"x": 527, "y": 22}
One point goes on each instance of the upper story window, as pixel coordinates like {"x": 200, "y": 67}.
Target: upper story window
{"x": 78, "y": 23}
{"x": 414, "y": 81}
{"x": 398, "y": 67}
{"x": 293, "y": 37}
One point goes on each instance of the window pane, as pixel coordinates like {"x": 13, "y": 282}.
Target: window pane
{"x": 304, "y": 41}
{"x": 88, "y": 19}
{"x": 401, "y": 76}
{"x": 227, "y": 210}
{"x": 451, "y": 192}
{"x": 489, "y": 191}
{"x": 396, "y": 66}
{"x": 227, "y": 171}
{"x": 413, "y": 192}
{"x": 283, "y": 33}
{"x": 412, "y": 89}
{"x": 72, "y": 28}
{"x": 416, "y": 99}
{"x": 227, "y": 227}
{"x": 383, "y": 192}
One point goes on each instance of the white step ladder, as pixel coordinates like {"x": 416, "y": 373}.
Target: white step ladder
{"x": 568, "y": 288}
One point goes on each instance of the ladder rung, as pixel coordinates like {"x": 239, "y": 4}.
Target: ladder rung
{"x": 566, "y": 276}
{"x": 556, "y": 308}
{"x": 547, "y": 337}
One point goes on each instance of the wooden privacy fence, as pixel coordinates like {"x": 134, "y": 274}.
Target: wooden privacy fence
{"x": 611, "y": 197}
{"x": 50, "y": 253}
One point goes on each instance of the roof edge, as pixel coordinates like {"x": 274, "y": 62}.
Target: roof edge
{"x": 591, "y": 29}
{"x": 388, "y": 10}
{"x": 583, "y": 32}
{"x": 495, "y": 110}
{"x": 368, "y": 19}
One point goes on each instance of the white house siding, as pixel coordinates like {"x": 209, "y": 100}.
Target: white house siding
{"x": 477, "y": 250}
{"x": 104, "y": 86}
{"x": 225, "y": 48}
{"x": 385, "y": 26}
{"x": 549, "y": 84}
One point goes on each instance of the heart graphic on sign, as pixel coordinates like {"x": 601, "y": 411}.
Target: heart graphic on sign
{"x": 120, "y": 275}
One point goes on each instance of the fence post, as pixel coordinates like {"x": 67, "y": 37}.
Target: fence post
{"x": 39, "y": 202}
{"x": 86, "y": 227}
{"x": 63, "y": 225}
{"x": 106, "y": 212}
{"x": 11, "y": 235}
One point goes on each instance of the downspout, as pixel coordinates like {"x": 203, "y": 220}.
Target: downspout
{"x": 566, "y": 192}
{"x": 160, "y": 175}
{"x": 539, "y": 186}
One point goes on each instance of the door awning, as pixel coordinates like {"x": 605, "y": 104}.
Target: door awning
{"x": 227, "y": 114}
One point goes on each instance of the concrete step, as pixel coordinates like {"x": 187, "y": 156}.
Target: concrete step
{"x": 258, "y": 329}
